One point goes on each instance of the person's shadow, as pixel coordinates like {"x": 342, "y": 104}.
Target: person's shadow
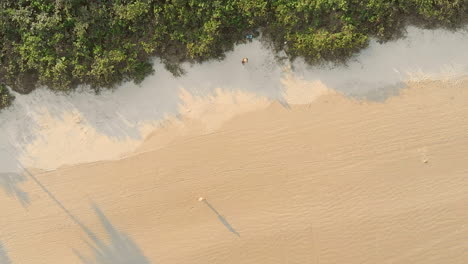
{"x": 221, "y": 218}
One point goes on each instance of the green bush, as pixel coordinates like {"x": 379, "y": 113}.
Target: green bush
{"x": 315, "y": 45}
{"x": 6, "y": 98}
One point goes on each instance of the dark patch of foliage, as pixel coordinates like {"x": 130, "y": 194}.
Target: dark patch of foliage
{"x": 5, "y": 97}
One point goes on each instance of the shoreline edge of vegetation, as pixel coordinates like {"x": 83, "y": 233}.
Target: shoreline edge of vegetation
{"x": 65, "y": 43}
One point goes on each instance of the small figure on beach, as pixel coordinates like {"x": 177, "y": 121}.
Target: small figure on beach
{"x": 244, "y": 61}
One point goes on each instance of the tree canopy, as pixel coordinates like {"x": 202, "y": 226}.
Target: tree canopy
{"x": 63, "y": 43}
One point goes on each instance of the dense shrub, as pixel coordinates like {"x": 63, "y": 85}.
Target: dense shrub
{"x": 63, "y": 43}
{"x": 5, "y": 97}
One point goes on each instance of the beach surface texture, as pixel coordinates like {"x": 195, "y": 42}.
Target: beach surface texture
{"x": 267, "y": 164}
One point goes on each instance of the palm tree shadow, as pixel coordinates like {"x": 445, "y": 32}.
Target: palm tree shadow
{"x": 9, "y": 181}
{"x": 120, "y": 248}
{"x": 4, "y": 259}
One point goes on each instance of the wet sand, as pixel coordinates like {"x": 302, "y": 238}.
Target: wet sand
{"x": 328, "y": 179}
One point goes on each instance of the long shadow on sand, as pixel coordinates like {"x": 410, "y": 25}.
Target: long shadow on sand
{"x": 4, "y": 259}
{"x": 9, "y": 182}
{"x": 120, "y": 249}
{"x": 222, "y": 219}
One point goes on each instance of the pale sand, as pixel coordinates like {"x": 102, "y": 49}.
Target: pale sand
{"x": 334, "y": 180}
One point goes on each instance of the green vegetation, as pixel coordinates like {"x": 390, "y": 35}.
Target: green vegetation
{"x": 64, "y": 43}
{"x": 5, "y": 97}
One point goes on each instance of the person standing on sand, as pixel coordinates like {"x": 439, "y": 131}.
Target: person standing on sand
{"x": 244, "y": 61}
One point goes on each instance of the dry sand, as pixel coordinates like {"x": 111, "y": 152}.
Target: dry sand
{"x": 328, "y": 180}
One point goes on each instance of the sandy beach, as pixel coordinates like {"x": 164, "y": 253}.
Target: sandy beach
{"x": 301, "y": 170}
{"x": 336, "y": 180}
